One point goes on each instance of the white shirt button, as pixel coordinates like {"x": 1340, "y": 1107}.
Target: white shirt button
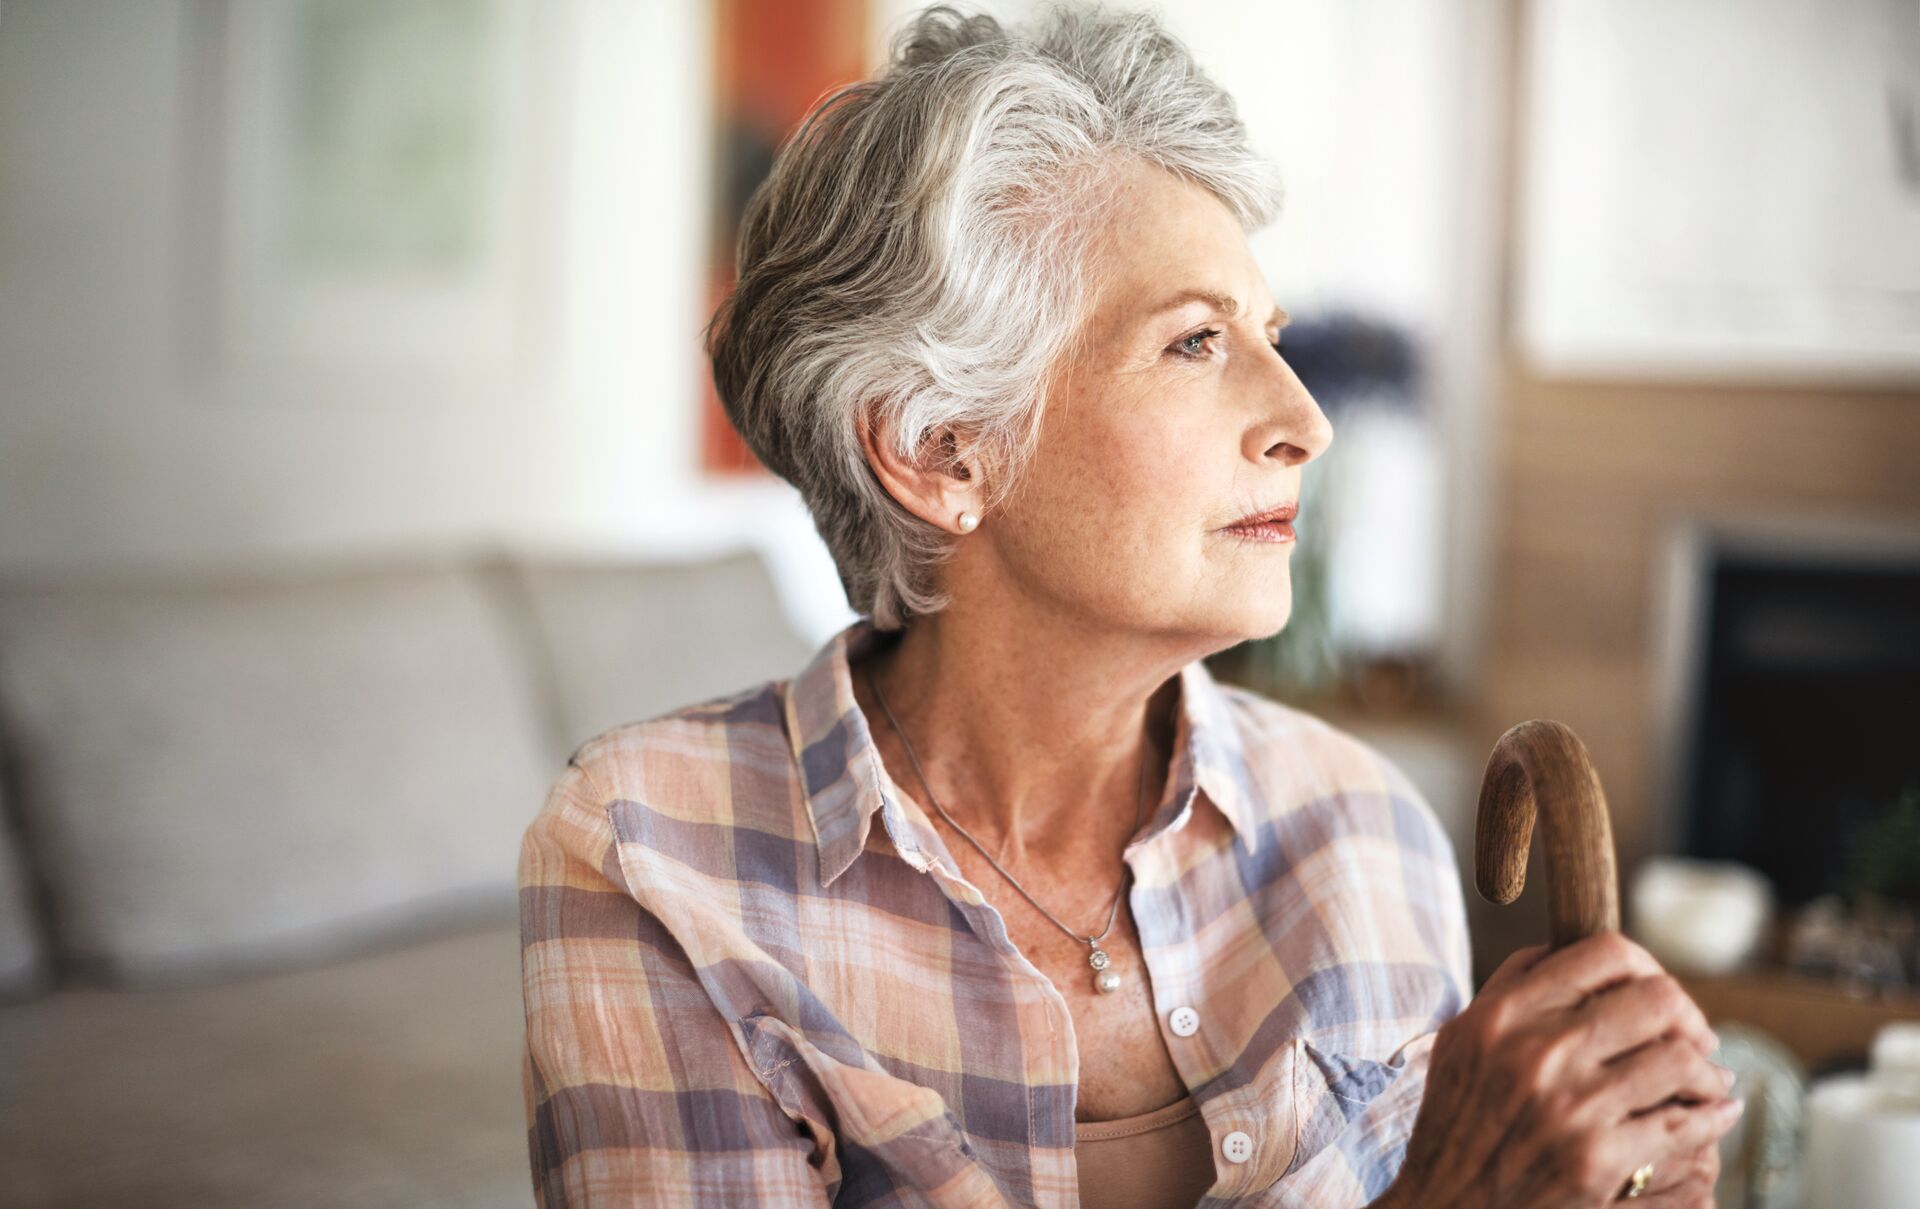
{"x": 1184, "y": 1021}
{"x": 1237, "y": 1146}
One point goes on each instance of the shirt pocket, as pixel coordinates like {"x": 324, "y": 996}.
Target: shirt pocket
{"x": 1333, "y": 1087}
{"x": 862, "y": 1116}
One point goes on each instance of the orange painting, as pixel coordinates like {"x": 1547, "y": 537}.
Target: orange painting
{"x": 773, "y": 60}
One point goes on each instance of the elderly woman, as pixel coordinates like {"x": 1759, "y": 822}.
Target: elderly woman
{"x": 1003, "y": 900}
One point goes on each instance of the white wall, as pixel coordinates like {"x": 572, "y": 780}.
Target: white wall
{"x": 120, "y": 442}
{"x": 108, "y": 452}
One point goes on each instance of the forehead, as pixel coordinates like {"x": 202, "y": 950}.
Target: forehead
{"x": 1164, "y": 240}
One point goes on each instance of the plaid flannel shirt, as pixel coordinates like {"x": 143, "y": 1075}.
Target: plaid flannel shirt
{"x": 740, "y": 990}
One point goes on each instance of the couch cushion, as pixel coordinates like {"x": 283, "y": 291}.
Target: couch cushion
{"x": 631, "y": 641}
{"x": 222, "y": 772}
{"x": 388, "y": 1080}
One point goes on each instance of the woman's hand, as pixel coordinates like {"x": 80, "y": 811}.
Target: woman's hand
{"x": 1567, "y": 1072}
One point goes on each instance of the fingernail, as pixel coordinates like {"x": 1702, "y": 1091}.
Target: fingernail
{"x": 1733, "y": 1107}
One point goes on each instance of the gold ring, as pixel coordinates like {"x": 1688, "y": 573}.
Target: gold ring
{"x": 1637, "y": 1182}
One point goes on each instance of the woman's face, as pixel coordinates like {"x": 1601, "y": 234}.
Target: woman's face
{"x": 1177, "y": 418}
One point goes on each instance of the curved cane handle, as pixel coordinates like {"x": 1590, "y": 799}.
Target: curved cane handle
{"x": 1542, "y": 767}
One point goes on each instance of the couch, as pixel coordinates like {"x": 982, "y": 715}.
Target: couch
{"x": 258, "y": 931}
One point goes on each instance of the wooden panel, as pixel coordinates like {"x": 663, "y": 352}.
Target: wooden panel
{"x": 1591, "y": 602}
{"x": 1576, "y": 514}
{"x": 1592, "y": 476}
{"x": 1801, "y": 446}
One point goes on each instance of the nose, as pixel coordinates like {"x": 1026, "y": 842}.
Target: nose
{"x": 1293, "y": 428}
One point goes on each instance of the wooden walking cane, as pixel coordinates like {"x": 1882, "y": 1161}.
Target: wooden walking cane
{"x": 1540, "y": 768}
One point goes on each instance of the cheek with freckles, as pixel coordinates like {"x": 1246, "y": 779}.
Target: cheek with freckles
{"x": 1086, "y": 526}
{"x": 1119, "y": 512}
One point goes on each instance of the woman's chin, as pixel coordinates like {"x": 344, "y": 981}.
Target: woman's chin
{"x": 1254, "y": 615}
{"x": 1268, "y": 626}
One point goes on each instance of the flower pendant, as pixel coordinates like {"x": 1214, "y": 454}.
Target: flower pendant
{"x": 1104, "y": 980}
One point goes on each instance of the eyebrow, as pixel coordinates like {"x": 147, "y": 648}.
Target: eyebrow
{"x": 1225, "y": 303}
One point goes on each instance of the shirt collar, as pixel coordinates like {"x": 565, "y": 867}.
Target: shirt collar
{"x": 842, "y": 774}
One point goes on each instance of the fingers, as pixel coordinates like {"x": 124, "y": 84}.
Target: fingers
{"x": 1686, "y": 1183}
{"x": 1649, "y": 1076}
{"x": 1566, "y": 976}
{"x": 1671, "y": 1137}
{"x": 1640, "y": 1010}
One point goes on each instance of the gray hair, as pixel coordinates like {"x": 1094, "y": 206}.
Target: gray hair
{"x": 919, "y": 255}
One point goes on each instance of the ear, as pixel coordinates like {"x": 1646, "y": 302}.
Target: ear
{"x": 937, "y": 484}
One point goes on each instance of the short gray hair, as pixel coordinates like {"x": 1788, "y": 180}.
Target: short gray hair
{"x": 918, "y": 253}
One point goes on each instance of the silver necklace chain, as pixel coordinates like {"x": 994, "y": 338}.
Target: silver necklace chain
{"x": 1099, "y": 960}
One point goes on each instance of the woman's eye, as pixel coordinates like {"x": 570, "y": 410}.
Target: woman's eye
{"x": 1196, "y": 344}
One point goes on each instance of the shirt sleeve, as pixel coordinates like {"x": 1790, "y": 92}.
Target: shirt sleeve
{"x": 636, "y": 1091}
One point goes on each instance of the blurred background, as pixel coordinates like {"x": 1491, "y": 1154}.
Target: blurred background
{"x": 358, "y": 459}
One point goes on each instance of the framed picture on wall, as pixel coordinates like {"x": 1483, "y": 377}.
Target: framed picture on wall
{"x": 360, "y": 188}
{"x": 1721, "y": 189}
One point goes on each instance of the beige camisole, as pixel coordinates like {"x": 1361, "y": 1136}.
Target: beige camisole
{"x": 1158, "y": 1160}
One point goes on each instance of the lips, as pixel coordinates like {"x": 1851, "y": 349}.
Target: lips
{"x": 1271, "y": 525}
{"x": 1285, "y": 512}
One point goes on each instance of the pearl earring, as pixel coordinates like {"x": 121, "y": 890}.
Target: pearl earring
{"x": 968, "y": 522}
